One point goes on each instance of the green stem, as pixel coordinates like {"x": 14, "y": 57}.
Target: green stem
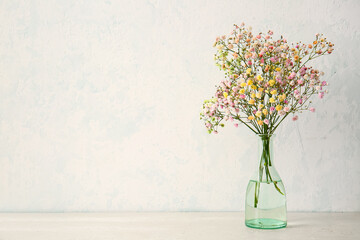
{"x": 265, "y": 163}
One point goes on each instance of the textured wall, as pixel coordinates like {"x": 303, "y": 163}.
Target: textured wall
{"x": 100, "y": 101}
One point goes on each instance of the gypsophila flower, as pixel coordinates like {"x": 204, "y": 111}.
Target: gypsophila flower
{"x": 265, "y": 80}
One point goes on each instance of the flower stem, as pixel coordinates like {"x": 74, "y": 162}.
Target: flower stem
{"x": 265, "y": 163}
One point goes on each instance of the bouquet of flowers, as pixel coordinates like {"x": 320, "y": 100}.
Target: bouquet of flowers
{"x": 265, "y": 81}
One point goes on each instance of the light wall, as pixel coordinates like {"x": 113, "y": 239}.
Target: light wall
{"x": 100, "y": 101}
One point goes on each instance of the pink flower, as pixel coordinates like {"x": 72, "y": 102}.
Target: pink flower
{"x": 236, "y": 125}
{"x": 272, "y": 109}
{"x": 242, "y": 96}
{"x": 312, "y": 109}
{"x": 272, "y": 59}
{"x": 295, "y": 118}
{"x": 324, "y": 83}
{"x": 258, "y": 36}
{"x": 271, "y": 33}
{"x": 266, "y": 121}
{"x": 287, "y": 62}
{"x": 286, "y": 109}
{"x": 302, "y": 71}
{"x": 292, "y": 75}
{"x": 321, "y": 94}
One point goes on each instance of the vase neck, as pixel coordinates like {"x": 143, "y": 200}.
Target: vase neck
{"x": 265, "y": 146}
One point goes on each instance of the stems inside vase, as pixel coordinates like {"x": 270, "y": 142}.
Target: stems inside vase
{"x": 265, "y": 163}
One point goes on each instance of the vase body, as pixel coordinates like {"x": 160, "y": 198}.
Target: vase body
{"x": 265, "y": 204}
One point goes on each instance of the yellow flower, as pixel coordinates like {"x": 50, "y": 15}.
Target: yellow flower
{"x": 278, "y": 69}
{"x": 259, "y": 77}
{"x": 260, "y": 122}
{"x": 265, "y": 111}
{"x": 225, "y": 94}
{"x": 251, "y": 118}
{"x": 271, "y": 82}
{"x": 258, "y": 113}
{"x": 258, "y": 95}
{"x": 273, "y": 92}
{"x": 251, "y": 101}
{"x": 282, "y": 97}
{"x": 278, "y": 107}
{"x": 242, "y": 84}
{"x": 253, "y": 95}
{"x": 272, "y": 100}
{"x": 242, "y": 91}
{"x": 248, "y": 71}
{"x": 261, "y": 106}
{"x": 250, "y": 82}
{"x": 253, "y": 87}
{"x": 261, "y": 89}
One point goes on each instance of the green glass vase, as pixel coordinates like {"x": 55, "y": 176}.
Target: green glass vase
{"x": 265, "y": 204}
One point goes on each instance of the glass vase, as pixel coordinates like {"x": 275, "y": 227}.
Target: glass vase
{"x": 265, "y": 204}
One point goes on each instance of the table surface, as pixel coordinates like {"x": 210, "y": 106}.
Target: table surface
{"x": 172, "y": 225}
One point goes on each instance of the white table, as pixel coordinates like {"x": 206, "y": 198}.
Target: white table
{"x": 173, "y": 225}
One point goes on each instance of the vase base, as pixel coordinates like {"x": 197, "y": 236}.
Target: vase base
{"x": 265, "y": 223}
